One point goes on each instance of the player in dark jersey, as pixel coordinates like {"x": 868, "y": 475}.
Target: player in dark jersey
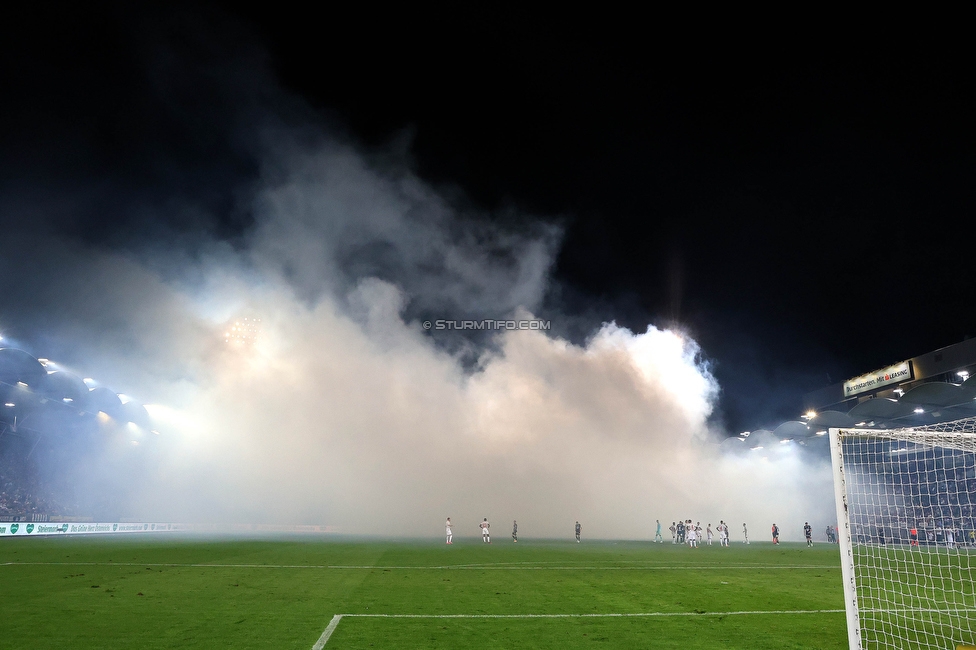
{"x": 514, "y": 531}
{"x": 578, "y": 529}
{"x": 775, "y": 534}
{"x": 808, "y": 533}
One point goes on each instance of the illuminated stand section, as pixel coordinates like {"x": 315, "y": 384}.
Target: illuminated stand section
{"x": 906, "y": 507}
{"x": 70, "y": 447}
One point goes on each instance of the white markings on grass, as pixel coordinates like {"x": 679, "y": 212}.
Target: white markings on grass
{"x": 445, "y": 567}
{"x": 327, "y": 633}
{"x": 679, "y": 567}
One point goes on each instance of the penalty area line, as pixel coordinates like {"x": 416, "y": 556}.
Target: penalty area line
{"x": 327, "y": 633}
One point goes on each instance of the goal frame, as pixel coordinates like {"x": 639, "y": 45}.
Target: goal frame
{"x": 844, "y": 540}
{"x": 933, "y": 435}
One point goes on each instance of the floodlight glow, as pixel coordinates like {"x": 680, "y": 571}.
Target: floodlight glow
{"x": 125, "y": 399}
{"x": 104, "y": 417}
{"x": 67, "y": 400}
{"x": 860, "y": 424}
{"x": 821, "y": 433}
{"x": 20, "y": 383}
{"x": 745, "y": 434}
{"x": 756, "y": 448}
{"x": 172, "y": 416}
{"x": 964, "y": 374}
{"x": 43, "y": 362}
{"x": 88, "y": 380}
{"x": 920, "y": 410}
{"x": 783, "y": 442}
{"x": 809, "y": 415}
{"x": 10, "y": 404}
{"x": 899, "y": 391}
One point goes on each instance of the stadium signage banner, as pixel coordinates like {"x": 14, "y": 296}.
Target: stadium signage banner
{"x": 878, "y": 379}
{"x": 34, "y": 529}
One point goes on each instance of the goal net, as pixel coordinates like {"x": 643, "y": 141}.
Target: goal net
{"x": 906, "y": 509}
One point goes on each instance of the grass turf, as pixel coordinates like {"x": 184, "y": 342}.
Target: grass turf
{"x": 167, "y": 592}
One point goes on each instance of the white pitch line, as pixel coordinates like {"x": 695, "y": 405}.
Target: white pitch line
{"x": 464, "y": 567}
{"x": 327, "y": 633}
{"x": 441, "y": 567}
{"x": 612, "y": 615}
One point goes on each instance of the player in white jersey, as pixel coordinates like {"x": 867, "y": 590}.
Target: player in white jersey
{"x": 723, "y": 534}
{"x": 708, "y": 533}
{"x": 691, "y": 535}
{"x": 674, "y": 533}
{"x": 485, "y": 537}
{"x": 450, "y": 535}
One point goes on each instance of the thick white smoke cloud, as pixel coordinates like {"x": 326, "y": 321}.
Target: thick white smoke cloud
{"x": 347, "y": 413}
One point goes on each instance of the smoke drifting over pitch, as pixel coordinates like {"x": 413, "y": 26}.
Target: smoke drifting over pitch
{"x": 344, "y": 411}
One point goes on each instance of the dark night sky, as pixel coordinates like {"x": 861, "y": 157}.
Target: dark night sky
{"x": 801, "y": 210}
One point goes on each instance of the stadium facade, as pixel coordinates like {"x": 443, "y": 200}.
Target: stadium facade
{"x": 938, "y": 386}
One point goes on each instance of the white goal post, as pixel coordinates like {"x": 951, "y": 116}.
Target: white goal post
{"x": 906, "y": 517}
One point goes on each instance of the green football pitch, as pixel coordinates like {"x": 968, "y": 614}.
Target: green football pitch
{"x": 313, "y": 592}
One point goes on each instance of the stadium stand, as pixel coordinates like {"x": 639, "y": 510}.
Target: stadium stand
{"x": 55, "y": 433}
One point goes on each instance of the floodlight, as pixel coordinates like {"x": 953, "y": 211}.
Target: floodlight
{"x": 920, "y": 410}
{"x": 809, "y": 415}
{"x": 20, "y": 383}
{"x": 821, "y": 433}
{"x": 964, "y": 374}
{"x": 10, "y": 404}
